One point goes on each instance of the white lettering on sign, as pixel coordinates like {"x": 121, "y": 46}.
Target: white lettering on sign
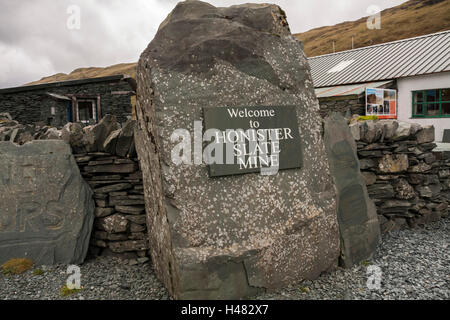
{"x": 245, "y": 113}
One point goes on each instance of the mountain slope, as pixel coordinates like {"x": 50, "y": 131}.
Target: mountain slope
{"x": 410, "y": 19}
{"x": 82, "y": 73}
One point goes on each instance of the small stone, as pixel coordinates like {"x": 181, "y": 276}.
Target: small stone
{"x": 103, "y": 212}
{"x": 137, "y": 228}
{"x": 113, "y": 224}
{"x": 421, "y": 167}
{"x": 116, "y": 201}
{"x": 393, "y": 163}
{"x": 143, "y": 260}
{"x": 137, "y": 236}
{"x": 369, "y": 177}
{"x": 112, "y": 168}
{"x": 97, "y": 163}
{"x": 424, "y": 191}
{"x": 130, "y": 209}
{"x": 355, "y": 131}
{"x": 381, "y": 191}
{"x": 366, "y": 164}
{"x": 133, "y": 262}
{"x": 403, "y": 131}
{"x": 128, "y": 246}
{"x": 114, "y": 187}
{"x": 102, "y": 203}
{"x": 142, "y": 219}
{"x": 425, "y": 135}
{"x": 444, "y": 173}
{"x": 415, "y": 178}
{"x": 403, "y": 190}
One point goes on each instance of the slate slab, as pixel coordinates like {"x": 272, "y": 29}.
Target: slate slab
{"x": 46, "y": 208}
{"x": 357, "y": 215}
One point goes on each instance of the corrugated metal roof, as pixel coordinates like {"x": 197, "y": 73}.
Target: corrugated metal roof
{"x": 348, "y": 90}
{"x": 404, "y": 58}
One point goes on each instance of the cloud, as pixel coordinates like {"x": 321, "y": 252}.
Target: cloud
{"x": 36, "y": 42}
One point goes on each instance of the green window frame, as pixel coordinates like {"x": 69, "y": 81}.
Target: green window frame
{"x": 431, "y": 103}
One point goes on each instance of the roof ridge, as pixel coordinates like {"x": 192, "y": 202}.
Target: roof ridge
{"x": 62, "y": 83}
{"x": 381, "y": 44}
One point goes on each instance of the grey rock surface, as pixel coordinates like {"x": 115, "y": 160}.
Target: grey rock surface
{"x": 234, "y": 236}
{"x": 125, "y": 139}
{"x": 96, "y": 135}
{"x": 425, "y": 135}
{"x": 47, "y": 210}
{"x": 357, "y": 215}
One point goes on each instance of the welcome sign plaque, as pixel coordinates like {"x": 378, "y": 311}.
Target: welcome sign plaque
{"x": 252, "y": 139}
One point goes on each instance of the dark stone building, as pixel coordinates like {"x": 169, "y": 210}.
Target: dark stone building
{"x": 85, "y": 101}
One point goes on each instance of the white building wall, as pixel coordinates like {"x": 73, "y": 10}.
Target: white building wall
{"x": 407, "y": 85}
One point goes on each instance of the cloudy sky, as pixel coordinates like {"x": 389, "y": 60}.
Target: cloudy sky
{"x": 41, "y": 37}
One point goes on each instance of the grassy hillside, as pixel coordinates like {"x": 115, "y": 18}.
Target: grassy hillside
{"x": 82, "y": 73}
{"x": 410, "y": 19}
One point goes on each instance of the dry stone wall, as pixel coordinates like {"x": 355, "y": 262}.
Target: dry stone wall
{"x": 120, "y": 221}
{"x": 107, "y": 159}
{"x": 29, "y": 106}
{"x": 409, "y": 183}
{"x": 106, "y": 156}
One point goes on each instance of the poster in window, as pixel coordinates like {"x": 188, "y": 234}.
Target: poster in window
{"x": 381, "y": 103}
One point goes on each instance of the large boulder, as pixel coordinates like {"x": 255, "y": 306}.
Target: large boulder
{"x": 46, "y": 208}
{"x": 234, "y": 236}
{"x": 357, "y": 215}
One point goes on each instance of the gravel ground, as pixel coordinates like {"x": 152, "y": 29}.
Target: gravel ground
{"x": 104, "y": 278}
{"x": 415, "y": 264}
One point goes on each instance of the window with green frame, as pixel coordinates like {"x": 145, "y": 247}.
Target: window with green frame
{"x": 433, "y": 103}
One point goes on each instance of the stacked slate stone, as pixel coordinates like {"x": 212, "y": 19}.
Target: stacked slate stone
{"x": 409, "y": 183}
{"x": 110, "y": 166}
{"x": 120, "y": 221}
{"x": 352, "y": 105}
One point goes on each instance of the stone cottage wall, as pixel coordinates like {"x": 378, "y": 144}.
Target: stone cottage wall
{"x": 342, "y": 105}
{"x": 29, "y": 107}
{"x": 409, "y": 183}
{"x": 106, "y": 156}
